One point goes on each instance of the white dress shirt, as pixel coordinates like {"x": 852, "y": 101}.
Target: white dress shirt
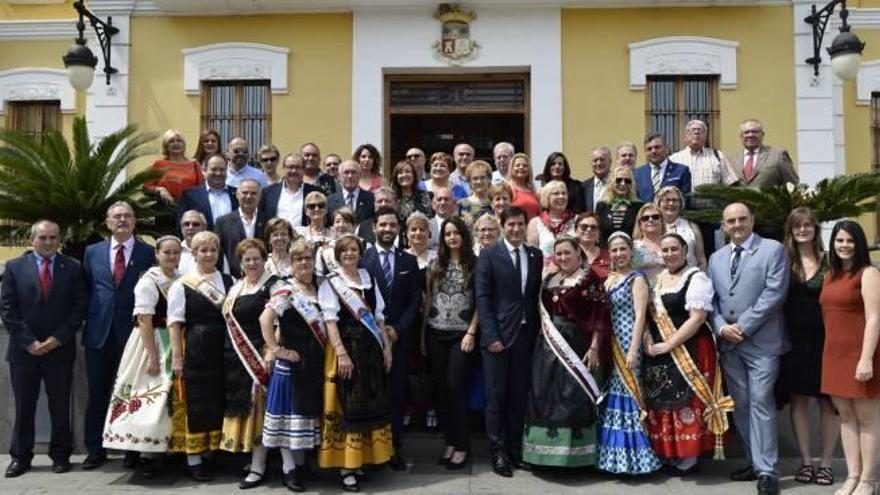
{"x": 249, "y": 225}
{"x": 523, "y": 259}
{"x": 219, "y": 200}
{"x": 290, "y": 206}
{"x": 129, "y": 246}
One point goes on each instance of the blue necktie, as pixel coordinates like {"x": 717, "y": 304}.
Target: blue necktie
{"x": 386, "y": 269}
{"x": 737, "y": 257}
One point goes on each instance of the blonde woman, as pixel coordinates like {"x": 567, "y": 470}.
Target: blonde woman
{"x": 555, "y": 219}
{"x": 486, "y": 231}
{"x": 316, "y": 231}
{"x": 646, "y": 240}
{"x": 523, "y": 187}
{"x": 479, "y": 176}
{"x": 618, "y": 209}
{"x": 179, "y": 172}
{"x": 671, "y": 203}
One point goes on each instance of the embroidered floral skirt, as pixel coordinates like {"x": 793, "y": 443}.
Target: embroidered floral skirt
{"x": 138, "y": 418}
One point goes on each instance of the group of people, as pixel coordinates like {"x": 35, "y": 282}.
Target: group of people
{"x": 291, "y": 310}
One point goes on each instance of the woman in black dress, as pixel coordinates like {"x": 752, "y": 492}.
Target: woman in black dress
{"x": 801, "y": 368}
{"x": 197, "y": 329}
{"x": 618, "y": 210}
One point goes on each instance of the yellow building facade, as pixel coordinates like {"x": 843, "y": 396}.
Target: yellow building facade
{"x": 563, "y": 76}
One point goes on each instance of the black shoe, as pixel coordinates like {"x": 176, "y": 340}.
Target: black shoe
{"x": 59, "y": 467}
{"x": 349, "y": 487}
{"x": 501, "y": 465}
{"x": 768, "y": 485}
{"x": 147, "y": 468}
{"x": 197, "y": 473}
{"x": 679, "y": 473}
{"x": 443, "y": 461}
{"x": 17, "y": 468}
{"x": 293, "y": 480}
{"x": 520, "y": 464}
{"x": 94, "y": 461}
{"x": 744, "y": 474}
{"x": 245, "y": 484}
{"x": 452, "y": 466}
{"x": 397, "y": 463}
{"x": 131, "y": 459}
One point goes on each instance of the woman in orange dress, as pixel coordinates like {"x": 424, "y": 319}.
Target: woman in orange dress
{"x": 523, "y": 186}
{"x": 850, "y": 303}
{"x": 178, "y": 172}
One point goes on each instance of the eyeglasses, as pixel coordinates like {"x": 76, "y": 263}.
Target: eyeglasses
{"x": 588, "y": 227}
{"x": 239, "y": 151}
{"x": 623, "y": 180}
{"x": 315, "y": 206}
{"x": 652, "y": 217}
{"x": 191, "y": 224}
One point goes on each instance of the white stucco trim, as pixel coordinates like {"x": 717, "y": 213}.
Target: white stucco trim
{"x": 47, "y": 29}
{"x": 682, "y": 55}
{"x": 867, "y": 81}
{"x": 235, "y": 61}
{"x": 401, "y": 40}
{"x": 36, "y": 83}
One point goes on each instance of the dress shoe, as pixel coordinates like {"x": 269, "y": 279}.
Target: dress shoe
{"x": 744, "y": 474}
{"x": 147, "y": 468}
{"x": 501, "y": 465}
{"x": 679, "y": 473}
{"x": 768, "y": 485}
{"x": 245, "y": 483}
{"x": 94, "y": 461}
{"x": 197, "y": 473}
{"x": 17, "y": 468}
{"x": 131, "y": 459}
{"x": 59, "y": 467}
{"x": 520, "y": 464}
{"x": 397, "y": 463}
{"x": 349, "y": 483}
{"x": 293, "y": 480}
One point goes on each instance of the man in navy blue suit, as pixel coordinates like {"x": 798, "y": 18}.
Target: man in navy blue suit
{"x": 112, "y": 269}
{"x": 214, "y": 198}
{"x": 286, "y": 199}
{"x": 42, "y": 303}
{"x": 397, "y": 274}
{"x": 659, "y": 172}
{"x": 507, "y": 284}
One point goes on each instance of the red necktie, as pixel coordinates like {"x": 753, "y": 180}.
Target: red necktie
{"x": 45, "y": 278}
{"x": 119, "y": 264}
{"x": 749, "y": 169}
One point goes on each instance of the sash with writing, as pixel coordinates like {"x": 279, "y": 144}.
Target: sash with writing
{"x": 717, "y": 406}
{"x": 307, "y": 310}
{"x": 250, "y": 357}
{"x": 205, "y": 288}
{"x": 567, "y": 357}
{"x": 356, "y": 306}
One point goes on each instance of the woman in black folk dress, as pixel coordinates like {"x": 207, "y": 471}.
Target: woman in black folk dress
{"x": 800, "y": 374}
{"x": 198, "y": 328}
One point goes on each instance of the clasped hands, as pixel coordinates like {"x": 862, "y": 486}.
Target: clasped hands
{"x": 41, "y": 348}
{"x": 732, "y": 333}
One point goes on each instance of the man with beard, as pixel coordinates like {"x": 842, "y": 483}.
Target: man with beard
{"x": 397, "y": 274}
{"x": 286, "y": 199}
{"x": 239, "y": 169}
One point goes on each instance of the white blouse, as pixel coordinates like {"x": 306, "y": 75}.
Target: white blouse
{"x": 699, "y": 293}
{"x": 146, "y": 294}
{"x": 683, "y": 227}
{"x": 330, "y": 305}
{"x": 177, "y": 296}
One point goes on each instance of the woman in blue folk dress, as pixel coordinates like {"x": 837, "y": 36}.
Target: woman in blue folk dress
{"x": 624, "y": 447}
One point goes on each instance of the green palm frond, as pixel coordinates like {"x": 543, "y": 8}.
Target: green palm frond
{"x": 831, "y": 199}
{"x": 72, "y": 183}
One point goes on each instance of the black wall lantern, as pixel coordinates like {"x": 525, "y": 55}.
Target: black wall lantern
{"x": 846, "y": 48}
{"x": 80, "y": 61}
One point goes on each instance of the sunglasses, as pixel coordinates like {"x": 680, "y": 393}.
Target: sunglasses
{"x": 586, "y": 227}
{"x": 315, "y": 206}
{"x": 653, "y": 217}
{"x": 623, "y": 180}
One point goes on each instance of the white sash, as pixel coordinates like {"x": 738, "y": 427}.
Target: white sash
{"x": 356, "y": 306}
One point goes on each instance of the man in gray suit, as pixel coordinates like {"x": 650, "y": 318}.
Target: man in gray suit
{"x": 750, "y": 276}
{"x": 759, "y": 165}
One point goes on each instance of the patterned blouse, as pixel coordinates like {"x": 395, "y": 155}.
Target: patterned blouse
{"x": 452, "y": 302}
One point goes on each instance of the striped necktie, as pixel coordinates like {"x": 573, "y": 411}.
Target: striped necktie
{"x": 656, "y": 177}
{"x": 386, "y": 269}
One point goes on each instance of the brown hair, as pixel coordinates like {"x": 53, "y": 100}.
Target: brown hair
{"x": 795, "y": 218}
{"x": 274, "y": 225}
{"x": 345, "y": 242}
{"x": 249, "y": 243}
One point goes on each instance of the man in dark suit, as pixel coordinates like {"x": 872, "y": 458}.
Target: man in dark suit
{"x": 507, "y": 284}
{"x": 234, "y": 227}
{"x": 397, "y": 274}
{"x": 359, "y": 200}
{"x": 594, "y": 187}
{"x": 659, "y": 172}
{"x": 112, "y": 269}
{"x": 42, "y": 304}
{"x": 213, "y": 198}
{"x": 286, "y": 199}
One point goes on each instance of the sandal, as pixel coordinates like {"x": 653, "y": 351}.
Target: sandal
{"x": 825, "y": 476}
{"x": 805, "y": 474}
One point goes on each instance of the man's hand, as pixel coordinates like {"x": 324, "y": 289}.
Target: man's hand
{"x": 496, "y": 347}
{"x": 36, "y": 348}
{"x": 732, "y": 334}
